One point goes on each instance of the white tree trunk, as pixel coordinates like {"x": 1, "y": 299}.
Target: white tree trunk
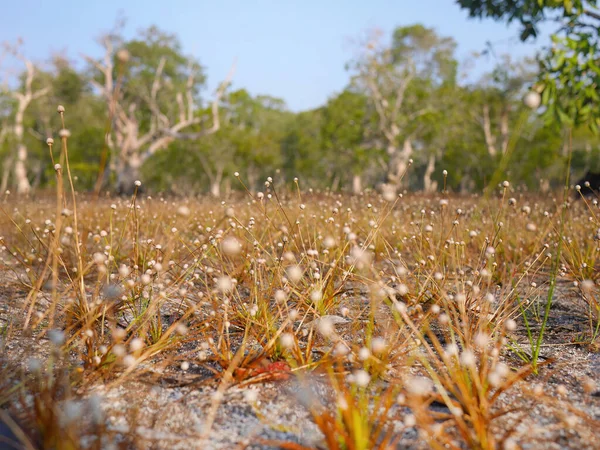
{"x": 356, "y": 184}
{"x": 215, "y": 188}
{"x": 6, "y": 168}
{"x": 398, "y": 163}
{"x": 430, "y": 185}
{"x": 20, "y": 170}
{"x": 23, "y": 185}
{"x": 490, "y": 139}
{"x": 128, "y": 172}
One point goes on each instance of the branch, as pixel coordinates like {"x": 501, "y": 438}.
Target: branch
{"x": 592, "y": 14}
{"x": 401, "y": 91}
{"x": 215, "y": 113}
{"x": 490, "y": 140}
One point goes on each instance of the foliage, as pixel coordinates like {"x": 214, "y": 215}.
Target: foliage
{"x": 570, "y": 73}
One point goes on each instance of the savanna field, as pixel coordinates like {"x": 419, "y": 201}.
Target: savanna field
{"x": 311, "y": 225}
{"x": 299, "y": 320}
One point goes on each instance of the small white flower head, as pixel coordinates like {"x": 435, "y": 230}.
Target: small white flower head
{"x": 57, "y": 167}
{"x": 183, "y": 211}
{"x": 129, "y": 361}
{"x": 137, "y": 183}
{"x": 494, "y": 379}
{"x": 361, "y": 378}
{"x": 231, "y": 246}
{"x": 33, "y": 364}
{"x": 124, "y": 270}
{"x": 60, "y": 109}
{"x": 467, "y": 358}
{"x": 316, "y": 296}
{"x": 402, "y": 289}
{"x": 443, "y": 202}
{"x": 340, "y": 349}
{"x": 294, "y": 273}
{"x": 445, "y": 172}
{"x": 410, "y": 420}
{"x": 451, "y": 350}
{"x": 251, "y": 395}
{"x": 360, "y": 257}
{"x": 236, "y": 174}
{"x": 329, "y": 242}
{"x": 136, "y": 344}
{"x": 224, "y": 284}
{"x": 378, "y": 345}
{"x": 280, "y": 296}
{"x": 325, "y": 326}
{"x": 185, "y": 365}
{"x": 99, "y": 258}
{"x": 364, "y": 353}
{"x": 419, "y": 386}
{"x": 64, "y": 133}
{"x": 388, "y": 192}
{"x": 481, "y": 340}
{"x": 123, "y": 55}
{"x": 505, "y": 184}
{"x": 587, "y": 286}
{"x": 57, "y": 337}
{"x": 532, "y": 100}
{"x": 287, "y": 340}
{"x": 510, "y": 325}
{"x": 49, "y": 141}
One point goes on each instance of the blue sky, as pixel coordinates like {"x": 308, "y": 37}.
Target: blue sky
{"x": 295, "y": 50}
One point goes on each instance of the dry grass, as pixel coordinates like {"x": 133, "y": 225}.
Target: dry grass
{"x": 400, "y": 305}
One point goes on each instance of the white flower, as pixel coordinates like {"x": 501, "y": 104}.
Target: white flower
{"x": 361, "y": 378}
{"x": 231, "y": 246}
{"x": 136, "y": 344}
{"x": 419, "y": 386}
{"x": 287, "y": 340}
{"x": 294, "y": 273}
{"x": 224, "y": 284}
{"x": 467, "y": 358}
{"x": 532, "y": 100}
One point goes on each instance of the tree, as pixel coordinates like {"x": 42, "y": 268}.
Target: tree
{"x": 345, "y": 134}
{"x": 24, "y": 96}
{"x": 302, "y": 150}
{"x": 398, "y": 80}
{"x": 570, "y": 68}
{"x": 151, "y": 91}
{"x": 251, "y": 129}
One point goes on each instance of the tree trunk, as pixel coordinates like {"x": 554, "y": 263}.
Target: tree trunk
{"x": 504, "y": 130}
{"x": 429, "y": 185}
{"x": 23, "y": 185}
{"x": 252, "y": 181}
{"x": 215, "y": 188}
{"x": 490, "y": 140}
{"x": 128, "y": 172}
{"x": 6, "y": 168}
{"x": 398, "y": 163}
{"x": 335, "y": 184}
{"x": 356, "y": 184}
{"x": 20, "y": 170}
